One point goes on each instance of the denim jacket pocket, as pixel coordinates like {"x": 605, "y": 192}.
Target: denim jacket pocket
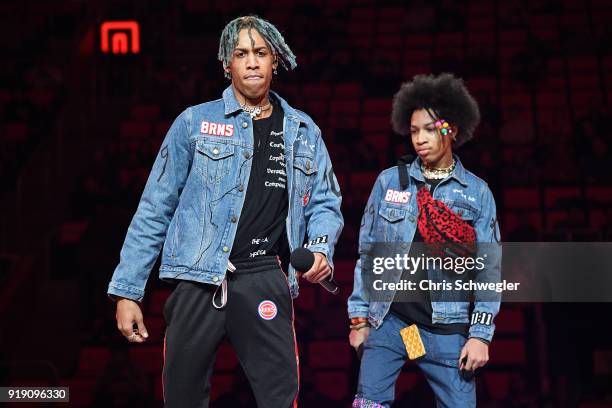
{"x": 392, "y": 214}
{"x": 463, "y": 209}
{"x": 212, "y": 160}
{"x": 389, "y": 224}
{"x": 306, "y": 174}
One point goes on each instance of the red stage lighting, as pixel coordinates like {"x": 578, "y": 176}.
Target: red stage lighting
{"x": 118, "y": 34}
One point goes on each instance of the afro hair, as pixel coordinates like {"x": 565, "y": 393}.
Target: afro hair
{"x": 444, "y": 96}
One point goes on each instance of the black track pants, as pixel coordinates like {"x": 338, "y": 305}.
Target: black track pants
{"x": 258, "y": 322}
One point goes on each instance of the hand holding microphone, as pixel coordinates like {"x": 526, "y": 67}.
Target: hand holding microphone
{"x": 314, "y": 268}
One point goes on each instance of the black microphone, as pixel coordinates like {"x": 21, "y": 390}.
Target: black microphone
{"x": 302, "y": 260}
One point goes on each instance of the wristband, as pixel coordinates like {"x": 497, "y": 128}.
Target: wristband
{"x": 357, "y": 320}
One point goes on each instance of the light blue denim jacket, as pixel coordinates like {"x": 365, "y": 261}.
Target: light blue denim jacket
{"x": 385, "y": 221}
{"x": 196, "y": 189}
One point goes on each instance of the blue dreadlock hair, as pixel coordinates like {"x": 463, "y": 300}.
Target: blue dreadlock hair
{"x": 273, "y": 38}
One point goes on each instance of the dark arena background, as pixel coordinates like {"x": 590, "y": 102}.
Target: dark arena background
{"x": 85, "y": 103}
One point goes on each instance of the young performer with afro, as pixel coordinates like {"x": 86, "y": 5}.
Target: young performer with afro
{"x": 432, "y": 199}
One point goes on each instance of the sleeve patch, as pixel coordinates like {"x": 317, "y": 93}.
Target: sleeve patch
{"x": 482, "y": 318}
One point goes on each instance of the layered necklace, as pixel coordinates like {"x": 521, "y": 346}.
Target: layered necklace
{"x": 437, "y": 173}
{"x": 255, "y": 110}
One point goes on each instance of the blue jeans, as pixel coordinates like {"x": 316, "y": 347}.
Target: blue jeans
{"x": 384, "y": 354}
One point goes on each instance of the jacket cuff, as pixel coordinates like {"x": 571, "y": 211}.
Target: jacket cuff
{"x": 124, "y": 291}
{"x": 481, "y": 331}
{"x": 319, "y": 243}
{"x": 358, "y": 312}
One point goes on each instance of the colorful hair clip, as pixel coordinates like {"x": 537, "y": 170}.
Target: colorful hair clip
{"x": 443, "y": 127}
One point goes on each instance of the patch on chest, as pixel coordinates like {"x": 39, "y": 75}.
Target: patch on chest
{"x": 397, "y": 197}
{"x": 216, "y": 129}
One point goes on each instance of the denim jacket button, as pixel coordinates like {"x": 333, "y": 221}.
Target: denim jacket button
{"x": 247, "y": 155}
{"x": 225, "y": 249}
{"x": 241, "y": 188}
{"x": 308, "y": 165}
{"x": 233, "y": 219}
{"x": 215, "y": 151}
{"x": 215, "y": 279}
{"x": 245, "y": 125}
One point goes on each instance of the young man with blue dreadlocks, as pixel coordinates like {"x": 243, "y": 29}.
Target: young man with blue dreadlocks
{"x": 238, "y": 183}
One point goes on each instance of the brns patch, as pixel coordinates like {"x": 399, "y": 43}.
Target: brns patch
{"x": 217, "y": 129}
{"x": 267, "y": 310}
{"x": 397, "y": 197}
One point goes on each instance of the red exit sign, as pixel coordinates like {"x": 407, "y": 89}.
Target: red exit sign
{"x": 120, "y": 37}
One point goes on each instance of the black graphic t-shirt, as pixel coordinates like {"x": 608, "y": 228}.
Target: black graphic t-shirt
{"x": 420, "y": 312}
{"x": 261, "y": 228}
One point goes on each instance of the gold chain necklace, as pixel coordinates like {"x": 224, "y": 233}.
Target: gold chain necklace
{"x": 437, "y": 173}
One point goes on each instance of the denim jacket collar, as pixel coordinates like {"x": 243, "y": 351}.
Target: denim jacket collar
{"x": 230, "y": 102}
{"x": 458, "y": 173}
{"x": 232, "y": 105}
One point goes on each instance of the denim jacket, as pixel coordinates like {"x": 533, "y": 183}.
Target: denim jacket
{"x": 196, "y": 189}
{"x": 385, "y": 221}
